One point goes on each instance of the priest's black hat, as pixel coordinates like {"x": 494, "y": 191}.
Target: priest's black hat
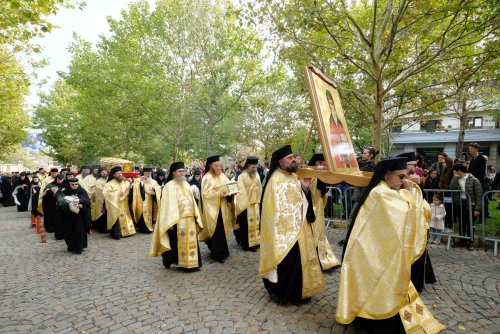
{"x": 410, "y": 156}
{"x": 212, "y": 159}
{"x": 96, "y": 167}
{"x": 176, "y": 165}
{"x": 252, "y": 160}
{"x": 315, "y": 158}
{"x": 60, "y": 176}
{"x": 147, "y": 169}
{"x": 64, "y": 170}
{"x": 73, "y": 180}
{"x": 86, "y": 167}
{"x": 115, "y": 169}
{"x": 161, "y": 173}
{"x": 197, "y": 171}
{"x": 54, "y": 170}
{"x": 282, "y": 152}
{"x": 391, "y": 164}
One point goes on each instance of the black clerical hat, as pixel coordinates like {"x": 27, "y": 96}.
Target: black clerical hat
{"x": 96, "y": 167}
{"x": 282, "y": 152}
{"x": 85, "y": 167}
{"x": 60, "y": 176}
{"x": 147, "y": 169}
{"x": 391, "y": 164}
{"x": 315, "y": 158}
{"x": 54, "y": 170}
{"x": 212, "y": 159}
{"x": 197, "y": 171}
{"x": 64, "y": 170}
{"x": 161, "y": 173}
{"x": 252, "y": 160}
{"x": 115, "y": 169}
{"x": 176, "y": 165}
{"x": 73, "y": 180}
{"x": 410, "y": 156}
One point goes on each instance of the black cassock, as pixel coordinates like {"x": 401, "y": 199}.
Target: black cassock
{"x": 7, "y": 189}
{"x": 35, "y": 194}
{"x": 51, "y": 218}
{"x": 75, "y": 225}
{"x": 23, "y": 194}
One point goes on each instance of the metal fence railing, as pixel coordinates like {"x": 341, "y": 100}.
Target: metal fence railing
{"x": 459, "y": 223}
{"x": 490, "y": 230}
{"x": 339, "y": 205}
{"x": 334, "y": 207}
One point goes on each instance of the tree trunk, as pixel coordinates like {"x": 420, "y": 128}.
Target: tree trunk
{"x": 463, "y": 126}
{"x": 178, "y": 135}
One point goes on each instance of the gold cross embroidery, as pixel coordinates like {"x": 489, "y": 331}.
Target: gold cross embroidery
{"x": 419, "y": 309}
{"x": 407, "y": 316}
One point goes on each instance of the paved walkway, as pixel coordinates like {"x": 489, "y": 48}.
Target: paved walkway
{"x": 115, "y": 287}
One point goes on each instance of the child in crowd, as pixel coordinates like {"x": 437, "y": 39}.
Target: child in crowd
{"x": 437, "y": 221}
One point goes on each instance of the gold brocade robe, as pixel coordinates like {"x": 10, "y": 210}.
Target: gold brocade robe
{"x": 249, "y": 199}
{"x": 45, "y": 182}
{"x": 326, "y": 256}
{"x": 375, "y": 282}
{"x": 178, "y": 206}
{"x": 146, "y": 207}
{"x": 283, "y": 224}
{"x": 211, "y": 187}
{"x": 99, "y": 198}
{"x": 88, "y": 183}
{"x": 116, "y": 196}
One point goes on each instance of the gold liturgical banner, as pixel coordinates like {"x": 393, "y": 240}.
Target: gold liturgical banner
{"x": 333, "y": 133}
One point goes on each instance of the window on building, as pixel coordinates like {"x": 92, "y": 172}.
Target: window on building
{"x": 431, "y": 125}
{"x": 395, "y": 129}
{"x": 475, "y": 122}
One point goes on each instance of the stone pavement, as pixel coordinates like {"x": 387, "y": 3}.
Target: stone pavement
{"x": 115, "y": 287}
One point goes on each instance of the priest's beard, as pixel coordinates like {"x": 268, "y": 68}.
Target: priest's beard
{"x": 119, "y": 178}
{"x": 180, "y": 178}
{"x": 291, "y": 168}
{"x": 253, "y": 175}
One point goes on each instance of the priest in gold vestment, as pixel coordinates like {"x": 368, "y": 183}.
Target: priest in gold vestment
{"x": 115, "y": 192}
{"x": 175, "y": 236}
{"x": 99, "y": 216}
{"x": 289, "y": 262}
{"x": 218, "y": 217}
{"x": 327, "y": 258}
{"x": 145, "y": 190}
{"x": 247, "y": 206}
{"x": 388, "y": 233}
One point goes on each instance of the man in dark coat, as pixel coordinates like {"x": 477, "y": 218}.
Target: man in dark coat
{"x": 74, "y": 205}
{"x": 51, "y": 217}
{"x": 7, "y": 189}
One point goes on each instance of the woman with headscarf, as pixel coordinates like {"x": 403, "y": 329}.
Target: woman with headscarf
{"x": 387, "y": 234}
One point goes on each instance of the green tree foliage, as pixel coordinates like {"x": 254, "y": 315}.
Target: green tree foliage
{"x": 160, "y": 87}
{"x": 22, "y": 20}
{"x": 13, "y": 87}
{"x": 384, "y": 54}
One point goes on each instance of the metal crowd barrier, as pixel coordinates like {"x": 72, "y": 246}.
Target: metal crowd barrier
{"x": 332, "y": 210}
{"x": 489, "y": 229}
{"x": 447, "y": 197}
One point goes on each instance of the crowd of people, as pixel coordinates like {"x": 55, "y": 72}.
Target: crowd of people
{"x": 267, "y": 206}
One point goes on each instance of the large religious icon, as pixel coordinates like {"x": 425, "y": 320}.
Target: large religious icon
{"x": 332, "y": 127}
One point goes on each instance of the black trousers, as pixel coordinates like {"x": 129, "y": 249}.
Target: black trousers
{"x": 462, "y": 217}
{"x": 288, "y": 289}
{"x": 116, "y": 232}
{"x": 218, "y": 243}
